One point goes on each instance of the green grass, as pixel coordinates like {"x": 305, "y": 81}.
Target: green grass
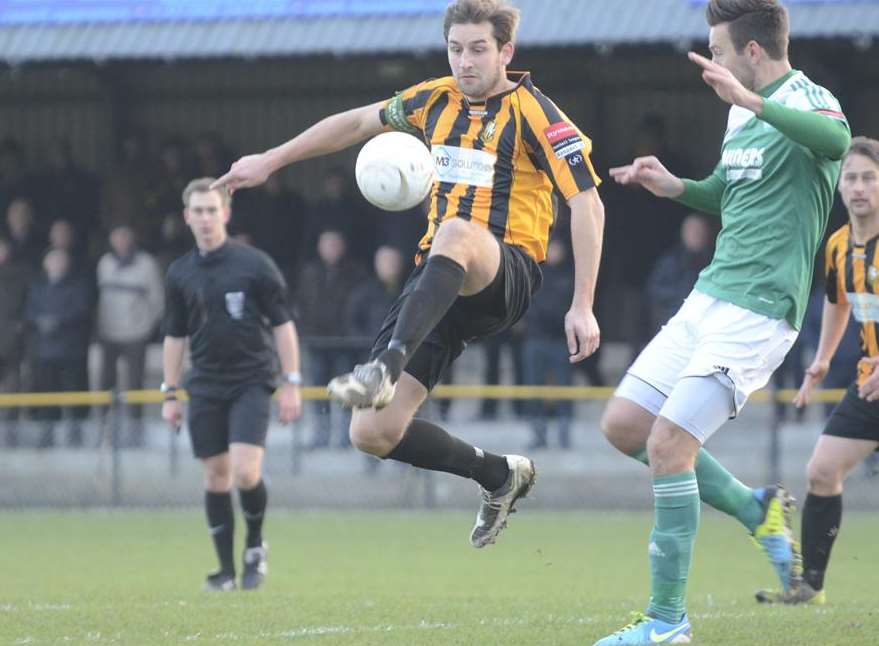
{"x": 395, "y": 578}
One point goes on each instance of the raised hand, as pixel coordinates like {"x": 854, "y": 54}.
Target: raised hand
{"x": 651, "y": 174}
{"x": 726, "y": 85}
{"x": 248, "y": 171}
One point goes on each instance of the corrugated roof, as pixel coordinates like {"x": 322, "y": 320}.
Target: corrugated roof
{"x": 561, "y": 22}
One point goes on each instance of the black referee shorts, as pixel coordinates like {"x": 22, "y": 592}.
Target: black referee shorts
{"x": 854, "y": 418}
{"x": 495, "y": 309}
{"x": 216, "y": 422}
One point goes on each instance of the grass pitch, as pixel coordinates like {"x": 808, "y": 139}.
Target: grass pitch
{"x": 403, "y": 579}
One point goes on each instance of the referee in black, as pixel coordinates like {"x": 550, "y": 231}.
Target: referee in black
{"x": 227, "y": 298}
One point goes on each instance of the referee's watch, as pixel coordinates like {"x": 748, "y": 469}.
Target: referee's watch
{"x": 168, "y": 390}
{"x": 293, "y": 378}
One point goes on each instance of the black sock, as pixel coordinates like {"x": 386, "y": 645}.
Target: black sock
{"x": 821, "y": 519}
{"x": 253, "y": 504}
{"x": 427, "y": 446}
{"x": 221, "y": 522}
{"x": 436, "y": 290}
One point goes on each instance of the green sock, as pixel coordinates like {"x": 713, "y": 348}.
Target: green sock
{"x": 676, "y": 504}
{"x": 720, "y": 489}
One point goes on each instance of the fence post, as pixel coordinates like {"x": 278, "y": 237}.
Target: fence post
{"x": 775, "y": 436}
{"x": 117, "y": 399}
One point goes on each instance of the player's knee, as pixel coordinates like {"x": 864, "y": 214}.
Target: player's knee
{"x": 619, "y": 430}
{"x": 453, "y": 238}
{"x": 217, "y": 479}
{"x": 823, "y": 477}
{"x": 670, "y": 449}
{"x": 371, "y": 436}
{"x": 246, "y": 477}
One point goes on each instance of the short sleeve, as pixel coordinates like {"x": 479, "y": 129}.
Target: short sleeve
{"x": 175, "y": 308}
{"x": 557, "y": 146}
{"x": 406, "y": 111}
{"x": 271, "y": 293}
{"x": 833, "y": 273}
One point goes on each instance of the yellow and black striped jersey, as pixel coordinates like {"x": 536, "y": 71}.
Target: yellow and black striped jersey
{"x": 497, "y": 162}
{"x": 852, "y": 271}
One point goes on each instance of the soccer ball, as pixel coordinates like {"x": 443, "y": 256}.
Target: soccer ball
{"x": 394, "y": 171}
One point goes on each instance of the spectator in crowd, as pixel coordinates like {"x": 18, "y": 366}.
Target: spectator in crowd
{"x": 493, "y": 347}
{"x": 325, "y": 287}
{"x": 675, "y": 272}
{"x": 545, "y": 349}
{"x": 130, "y": 305}
{"x": 59, "y": 308}
{"x": 124, "y": 192}
{"x": 69, "y": 189}
{"x": 644, "y": 230}
{"x": 14, "y": 280}
{"x": 163, "y": 195}
{"x": 336, "y": 209}
{"x": 371, "y": 300}
{"x": 272, "y": 216}
{"x": 212, "y": 157}
{"x": 63, "y": 235}
{"x": 14, "y": 180}
{"x": 27, "y": 245}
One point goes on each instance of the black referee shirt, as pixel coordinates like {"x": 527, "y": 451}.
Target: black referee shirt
{"x": 226, "y": 302}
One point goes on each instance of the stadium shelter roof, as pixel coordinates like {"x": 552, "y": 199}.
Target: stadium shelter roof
{"x": 546, "y": 23}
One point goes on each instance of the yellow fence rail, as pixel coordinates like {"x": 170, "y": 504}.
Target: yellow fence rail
{"x": 455, "y": 391}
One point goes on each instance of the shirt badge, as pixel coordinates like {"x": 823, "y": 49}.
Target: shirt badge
{"x": 235, "y": 305}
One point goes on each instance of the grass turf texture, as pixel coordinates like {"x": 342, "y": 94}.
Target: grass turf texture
{"x": 401, "y": 578}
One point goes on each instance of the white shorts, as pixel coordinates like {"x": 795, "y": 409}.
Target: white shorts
{"x": 710, "y": 337}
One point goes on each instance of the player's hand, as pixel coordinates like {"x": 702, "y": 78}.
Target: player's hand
{"x": 582, "y": 332}
{"x": 726, "y": 85}
{"x": 172, "y": 412}
{"x": 814, "y": 375}
{"x": 651, "y": 174}
{"x": 869, "y": 390}
{"x": 289, "y": 403}
{"x": 248, "y": 171}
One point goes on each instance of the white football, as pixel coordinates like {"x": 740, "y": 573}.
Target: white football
{"x": 394, "y": 171}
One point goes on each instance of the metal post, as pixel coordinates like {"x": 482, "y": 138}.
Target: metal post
{"x": 775, "y": 437}
{"x": 116, "y": 402}
{"x": 174, "y": 453}
{"x": 296, "y": 448}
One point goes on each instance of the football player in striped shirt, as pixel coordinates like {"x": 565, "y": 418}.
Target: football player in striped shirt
{"x": 500, "y": 148}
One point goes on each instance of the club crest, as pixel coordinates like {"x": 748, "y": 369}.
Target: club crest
{"x": 235, "y": 304}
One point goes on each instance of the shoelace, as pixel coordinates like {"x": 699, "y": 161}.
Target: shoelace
{"x": 637, "y": 619}
{"x": 490, "y": 502}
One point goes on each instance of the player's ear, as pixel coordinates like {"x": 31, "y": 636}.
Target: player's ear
{"x": 507, "y": 52}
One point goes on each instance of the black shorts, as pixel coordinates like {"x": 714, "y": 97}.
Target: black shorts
{"x": 495, "y": 309}
{"x": 216, "y": 422}
{"x": 854, "y": 418}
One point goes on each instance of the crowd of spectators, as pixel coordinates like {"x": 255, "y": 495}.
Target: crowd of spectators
{"x": 82, "y": 261}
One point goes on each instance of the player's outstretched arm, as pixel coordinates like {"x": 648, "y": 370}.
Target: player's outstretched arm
{"x": 587, "y": 234}
{"x": 290, "y": 394}
{"x": 651, "y": 174}
{"x": 834, "y": 320}
{"x": 329, "y": 135}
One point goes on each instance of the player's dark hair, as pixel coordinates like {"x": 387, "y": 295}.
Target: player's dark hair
{"x": 504, "y": 18}
{"x": 203, "y": 185}
{"x": 864, "y": 146}
{"x": 764, "y": 21}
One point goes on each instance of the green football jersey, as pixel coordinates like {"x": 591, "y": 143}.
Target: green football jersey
{"x": 775, "y": 202}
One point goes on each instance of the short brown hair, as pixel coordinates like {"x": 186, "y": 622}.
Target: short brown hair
{"x": 764, "y": 21}
{"x": 203, "y": 185}
{"x": 503, "y": 17}
{"x": 864, "y": 146}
